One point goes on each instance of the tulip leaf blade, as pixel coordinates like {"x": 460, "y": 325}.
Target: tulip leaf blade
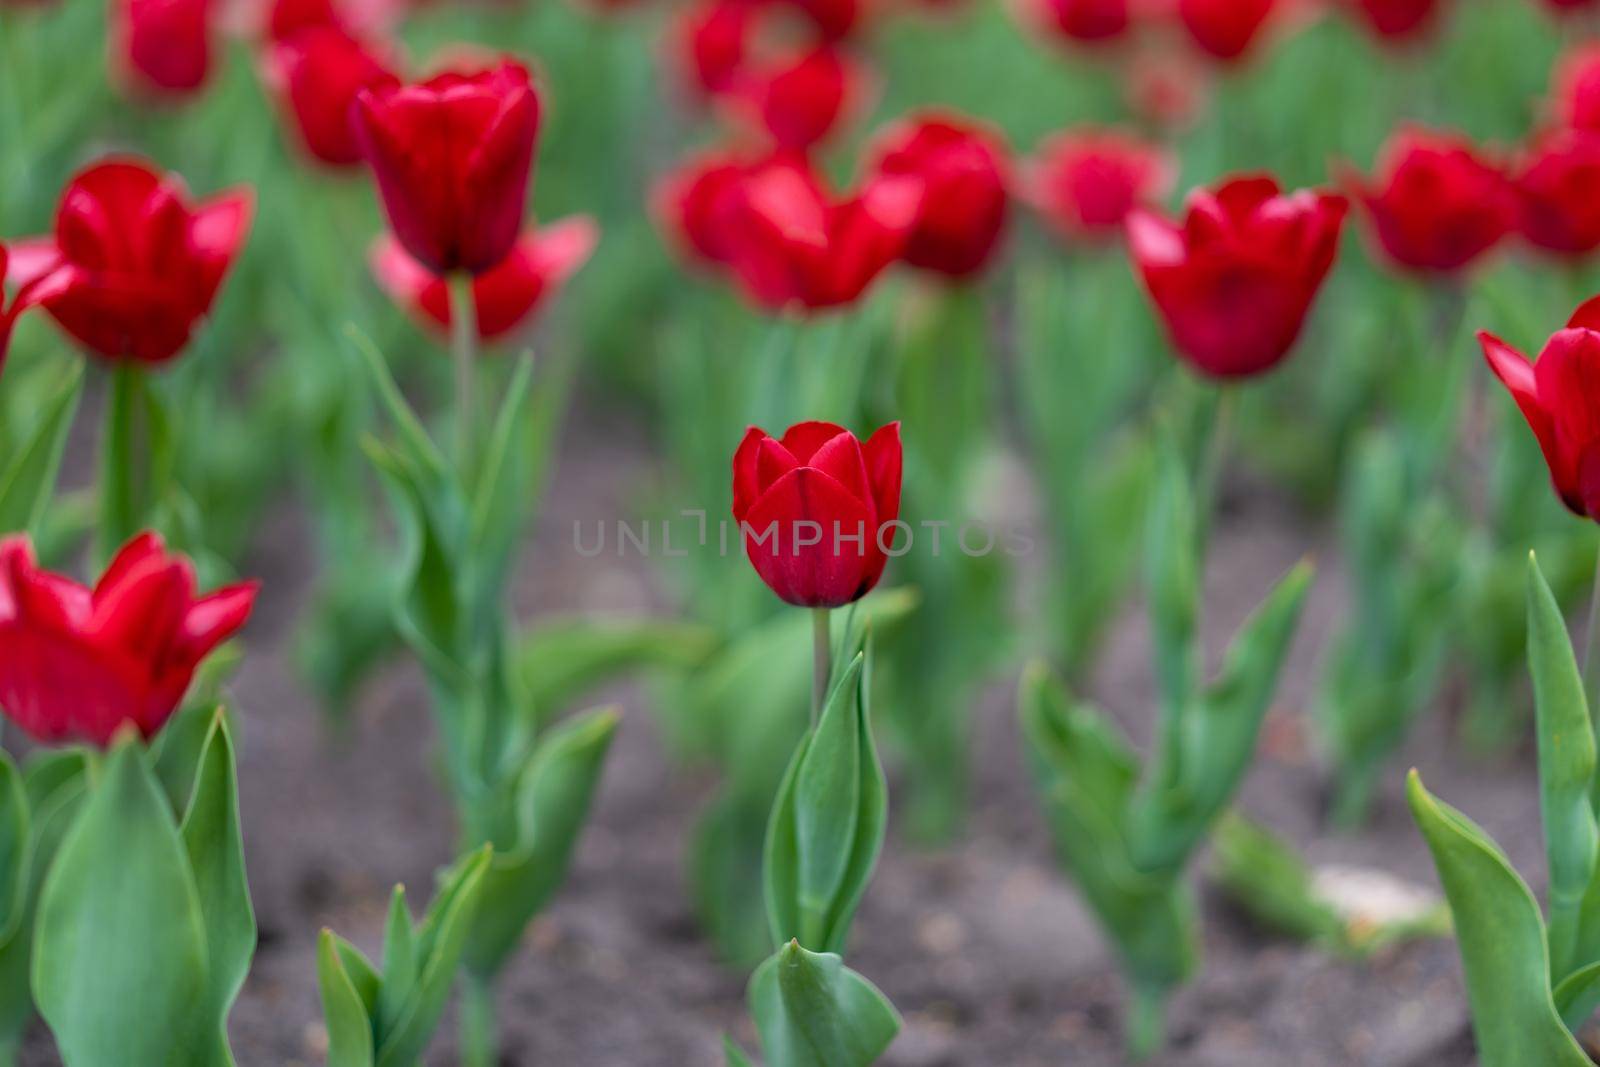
{"x": 1501, "y": 938}
{"x": 1566, "y": 773}
{"x": 345, "y": 1012}
{"x": 552, "y": 796}
{"x": 562, "y": 659}
{"x": 215, "y": 845}
{"x": 120, "y": 947}
{"x": 27, "y": 481}
{"x": 399, "y": 960}
{"x": 733, "y": 1055}
{"x": 1578, "y": 995}
{"x": 813, "y": 1011}
{"x": 15, "y": 823}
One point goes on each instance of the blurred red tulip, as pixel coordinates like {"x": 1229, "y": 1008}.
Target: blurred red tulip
{"x": 131, "y": 268}
{"x": 1435, "y": 204}
{"x": 1086, "y": 181}
{"x": 318, "y": 71}
{"x": 1397, "y": 20}
{"x": 453, "y": 157}
{"x": 833, "y": 19}
{"x": 505, "y": 297}
{"x": 1556, "y": 395}
{"x": 1082, "y": 21}
{"x": 799, "y": 99}
{"x": 963, "y": 169}
{"x": 1577, "y": 88}
{"x": 1235, "y": 280}
{"x": 696, "y": 204}
{"x": 1556, "y": 186}
{"x": 816, "y": 509}
{"x": 791, "y": 245}
{"x": 1225, "y": 28}
{"x": 76, "y": 664}
{"x": 285, "y": 18}
{"x": 1566, "y": 7}
{"x": 163, "y": 46}
{"x": 713, "y": 38}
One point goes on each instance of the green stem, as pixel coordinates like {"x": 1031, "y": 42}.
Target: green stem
{"x": 479, "y": 1043}
{"x": 1146, "y": 1021}
{"x": 1591, "y": 649}
{"x": 821, "y": 663}
{"x": 464, "y": 354}
{"x": 122, "y": 509}
{"x": 1213, "y": 462}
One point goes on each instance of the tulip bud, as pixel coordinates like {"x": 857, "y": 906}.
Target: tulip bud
{"x": 452, "y": 157}
{"x": 962, "y": 167}
{"x": 1085, "y": 182}
{"x": 1225, "y": 29}
{"x": 76, "y": 664}
{"x": 506, "y": 296}
{"x": 816, "y": 507}
{"x": 1436, "y": 204}
{"x": 164, "y": 45}
{"x": 318, "y": 72}
{"x": 131, "y": 268}
{"x": 1556, "y": 396}
{"x": 1235, "y": 280}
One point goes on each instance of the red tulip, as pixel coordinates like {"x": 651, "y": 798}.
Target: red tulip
{"x": 817, "y": 508}
{"x": 799, "y": 99}
{"x": 1577, "y": 88}
{"x": 963, "y": 168}
{"x": 1566, "y": 7}
{"x": 285, "y": 18}
{"x": 1397, "y": 20}
{"x": 1225, "y": 28}
{"x": 76, "y": 664}
{"x": 1557, "y": 397}
{"x": 1436, "y": 204}
{"x": 697, "y": 202}
{"x": 1235, "y": 280}
{"x": 452, "y": 157}
{"x": 164, "y": 46}
{"x": 791, "y": 245}
{"x": 1086, "y": 181}
{"x": 132, "y": 268}
{"x": 319, "y": 71}
{"x": 832, "y": 18}
{"x": 1556, "y": 188}
{"x": 713, "y": 41}
{"x": 1083, "y": 21}
{"x": 503, "y": 298}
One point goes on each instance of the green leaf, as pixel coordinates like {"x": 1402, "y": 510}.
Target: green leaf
{"x": 215, "y": 845}
{"x": 1566, "y": 775}
{"x": 733, "y": 1055}
{"x": 1502, "y": 942}
{"x": 28, "y": 480}
{"x": 400, "y": 962}
{"x": 1267, "y": 878}
{"x": 563, "y": 659}
{"x": 828, "y": 822}
{"x": 1578, "y": 995}
{"x": 552, "y": 800}
{"x": 120, "y": 948}
{"x": 15, "y": 821}
{"x": 443, "y": 937}
{"x": 813, "y": 1011}
{"x": 343, "y": 1009}
{"x": 175, "y": 752}
{"x": 498, "y": 499}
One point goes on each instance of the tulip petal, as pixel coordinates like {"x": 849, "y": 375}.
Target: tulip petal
{"x": 556, "y": 251}
{"x": 1520, "y": 380}
{"x": 746, "y": 487}
{"x": 831, "y": 572}
{"x": 1587, "y": 317}
{"x": 214, "y": 618}
{"x": 883, "y": 456}
{"x": 804, "y": 438}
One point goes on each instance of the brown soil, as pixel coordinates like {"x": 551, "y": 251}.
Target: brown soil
{"x": 983, "y": 945}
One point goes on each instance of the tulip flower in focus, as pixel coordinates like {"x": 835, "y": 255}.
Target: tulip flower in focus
{"x": 452, "y": 157}
{"x": 1556, "y": 186}
{"x": 816, "y": 508}
{"x": 1225, "y": 29}
{"x": 318, "y": 72}
{"x": 963, "y": 170}
{"x": 132, "y": 267}
{"x": 1397, "y": 21}
{"x": 1235, "y": 279}
{"x": 163, "y": 47}
{"x": 1556, "y": 395}
{"x": 1436, "y": 204}
{"x": 77, "y": 663}
{"x": 505, "y": 297}
{"x": 1084, "y": 182}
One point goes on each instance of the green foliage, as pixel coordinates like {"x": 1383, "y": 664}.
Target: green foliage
{"x": 560, "y": 660}
{"x": 813, "y": 1011}
{"x": 144, "y": 929}
{"x": 1126, "y": 833}
{"x": 386, "y": 1018}
{"x": 28, "y": 477}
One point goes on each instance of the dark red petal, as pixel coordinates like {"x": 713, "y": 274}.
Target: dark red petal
{"x": 830, "y": 573}
{"x": 745, "y": 486}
